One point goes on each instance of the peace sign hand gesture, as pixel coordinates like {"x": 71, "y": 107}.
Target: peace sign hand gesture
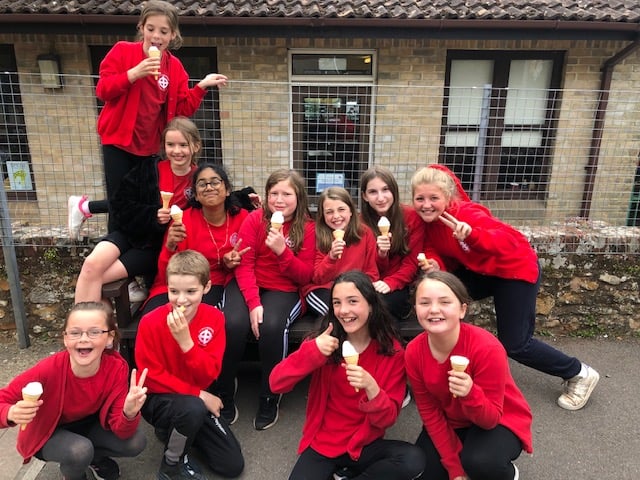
{"x": 136, "y": 396}
{"x": 461, "y": 230}
{"x": 232, "y": 259}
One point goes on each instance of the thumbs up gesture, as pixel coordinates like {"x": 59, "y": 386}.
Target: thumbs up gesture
{"x": 326, "y": 343}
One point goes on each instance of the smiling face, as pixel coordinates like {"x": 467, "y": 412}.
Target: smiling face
{"x": 211, "y": 190}
{"x": 438, "y": 309}
{"x": 379, "y": 196}
{"x": 156, "y": 31}
{"x": 178, "y": 150}
{"x": 336, "y": 214}
{"x": 186, "y": 291}
{"x": 282, "y": 197}
{"x": 85, "y": 353}
{"x": 350, "y": 308}
{"x": 429, "y": 201}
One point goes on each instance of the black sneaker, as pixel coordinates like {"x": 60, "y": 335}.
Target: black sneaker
{"x": 186, "y": 469}
{"x": 344, "y": 473}
{"x": 267, "y": 414}
{"x": 105, "y": 469}
{"x": 229, "y": 412}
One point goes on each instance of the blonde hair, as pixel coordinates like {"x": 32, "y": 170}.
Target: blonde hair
{"x": 190, "y": 262}
{"x": 434, "y": 176}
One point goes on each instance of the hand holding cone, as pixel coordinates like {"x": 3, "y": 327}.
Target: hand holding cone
{"x": 350, "y": 355}
{"x": 31, "y": 392}
{"x": 459, "y": 364}
{"x": 154, "y": 52}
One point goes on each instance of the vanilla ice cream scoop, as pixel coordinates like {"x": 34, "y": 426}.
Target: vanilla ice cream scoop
{"x": 350, "y": 355}
{"x": 277, "y": 220}
{"x": 384, "y": 225}
{"x": 31, "y": 391}
{"x": 422, "y": 259}
{"x": 176, "y": 213}
{"x": 154, "y": 52}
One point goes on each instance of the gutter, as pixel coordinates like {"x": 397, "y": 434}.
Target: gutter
{"x": 598, "y": 125}
{"x": 324, "y": 22}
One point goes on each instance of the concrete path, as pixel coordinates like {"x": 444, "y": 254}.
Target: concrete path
{"x": 597, "y": 443}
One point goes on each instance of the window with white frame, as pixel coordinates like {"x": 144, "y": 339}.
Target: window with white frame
{"x": 499, "y": 115}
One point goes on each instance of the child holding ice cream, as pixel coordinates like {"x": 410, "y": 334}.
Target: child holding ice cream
{"x": 350, "y": 405}
{"x": 398, "y": 249}
{"x": 140, "y": 219}
{"x": 264, "y": 297}
{"x": 89, "y": 408}
{"x": 182, "y": 345}
{"x": 476, "y": 420}
{"x": 141, "y": 94}
{"x": 342, "y": 243}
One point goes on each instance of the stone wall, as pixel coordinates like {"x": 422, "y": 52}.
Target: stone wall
{"x": 590, "y": 283}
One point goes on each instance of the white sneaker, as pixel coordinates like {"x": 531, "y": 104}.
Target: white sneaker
{"x": 517, "y": 475}
{"x": 137, "y": 294}
{"x": 76, "y": 217}
{"x": 578, "y": 389}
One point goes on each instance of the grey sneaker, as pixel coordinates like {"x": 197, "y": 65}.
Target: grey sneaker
{"x": 76, "y": 217}
{"x": 137, "y": 294}
{"x": 577, "y": 390}
{"x": 184, "y": 470}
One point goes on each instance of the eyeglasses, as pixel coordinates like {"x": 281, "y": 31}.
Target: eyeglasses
{"x": 91, "y": 333}
{"x": 214, "y": 182}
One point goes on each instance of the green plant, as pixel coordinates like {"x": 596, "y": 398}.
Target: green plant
{"x": 51, "y": 255}
{"x": 589, "y": 328}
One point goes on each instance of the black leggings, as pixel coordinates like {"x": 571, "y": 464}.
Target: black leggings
{"x": 381, "y": 459}
{"x": 76, "y": 445}
{"x": 485, "y": 455}
{"x": 117, "y": 163}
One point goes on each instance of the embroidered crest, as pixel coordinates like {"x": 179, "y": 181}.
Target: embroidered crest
{"x": 205, "y": 336}
{"x": 163, "y": 82}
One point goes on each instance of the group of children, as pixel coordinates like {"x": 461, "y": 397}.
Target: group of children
{"x": 223, "y": 269}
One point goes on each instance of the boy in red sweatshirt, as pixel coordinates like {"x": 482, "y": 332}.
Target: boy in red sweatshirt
{"x": 182, "y": 344}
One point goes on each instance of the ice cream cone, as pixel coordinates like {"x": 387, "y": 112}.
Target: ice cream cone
{"x": 176, "y": 214}
{"x": 459, "y": 364}
{"x": 350, "y": 355}
{"x": 31, "y": 392}
{"x": 384, "y": 225}
{"x": 154, "y": 52}
{"x": 338, "y": 235}
{"x": 422, "y": 259}
{"x": 277, "y": 220}
{"x": 166, "y": 198}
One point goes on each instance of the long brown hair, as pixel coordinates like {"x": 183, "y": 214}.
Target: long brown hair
{"x": 324, "y": 233}
{"x": 399, "y": 232}
{"x": 302, "y": 214}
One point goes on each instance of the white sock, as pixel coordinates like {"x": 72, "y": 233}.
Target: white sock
{"x": 583, "y": 371}
{"x": 84, "y": 207}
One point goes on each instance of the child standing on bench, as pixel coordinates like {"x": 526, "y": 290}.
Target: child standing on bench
{"x": 182, "y": 347}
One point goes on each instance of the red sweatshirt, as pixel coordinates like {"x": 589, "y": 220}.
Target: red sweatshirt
{"x": 399, "y": 271}
{"x": 494, "y": 398}
{"x": 170, "y": 369}
{"x": 338, "y": 419}
{"x": 261, "y": 268}
{"x": 104, "y": 394}
{"x": 123, "y": 99}
{"x": 494, "y": 248}
{"x": 199, "y": 234}
{"x": 357, "y": 256}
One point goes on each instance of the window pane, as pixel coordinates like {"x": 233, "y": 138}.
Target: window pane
{"x": 467, "y": 81}
{"x": 527, "y": 94}
{"x": 522, "y": 139}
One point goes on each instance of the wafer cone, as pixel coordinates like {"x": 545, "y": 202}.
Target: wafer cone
{"x": 338, "y": 235}
{"x": 29, "y": 393}
{"x": 384, "y": 229}
{"x": 459, "y": 364}
{"x": 166, "y": 199}
{"x": 352, "y": 360}
{"x": 154, "y": 52}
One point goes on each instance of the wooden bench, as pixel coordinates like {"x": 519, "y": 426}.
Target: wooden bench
{"x": 128, "y": 317}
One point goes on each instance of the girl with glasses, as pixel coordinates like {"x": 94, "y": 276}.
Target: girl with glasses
{"x": 89, "y": 409}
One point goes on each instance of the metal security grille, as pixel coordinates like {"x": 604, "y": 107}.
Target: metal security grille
{"x": 536, "y": 158}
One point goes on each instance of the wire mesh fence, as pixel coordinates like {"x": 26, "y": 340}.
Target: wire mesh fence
{"x": 539, "y": 159}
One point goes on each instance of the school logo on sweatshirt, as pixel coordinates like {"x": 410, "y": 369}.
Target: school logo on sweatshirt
{"x": 205, "y": 336}
{"x": 163, "y": 82}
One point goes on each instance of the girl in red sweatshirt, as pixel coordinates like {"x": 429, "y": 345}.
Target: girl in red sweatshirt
{"x": 342, "y": 243}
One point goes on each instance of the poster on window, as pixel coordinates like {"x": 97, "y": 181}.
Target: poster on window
{"x": 19, "y": 175}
